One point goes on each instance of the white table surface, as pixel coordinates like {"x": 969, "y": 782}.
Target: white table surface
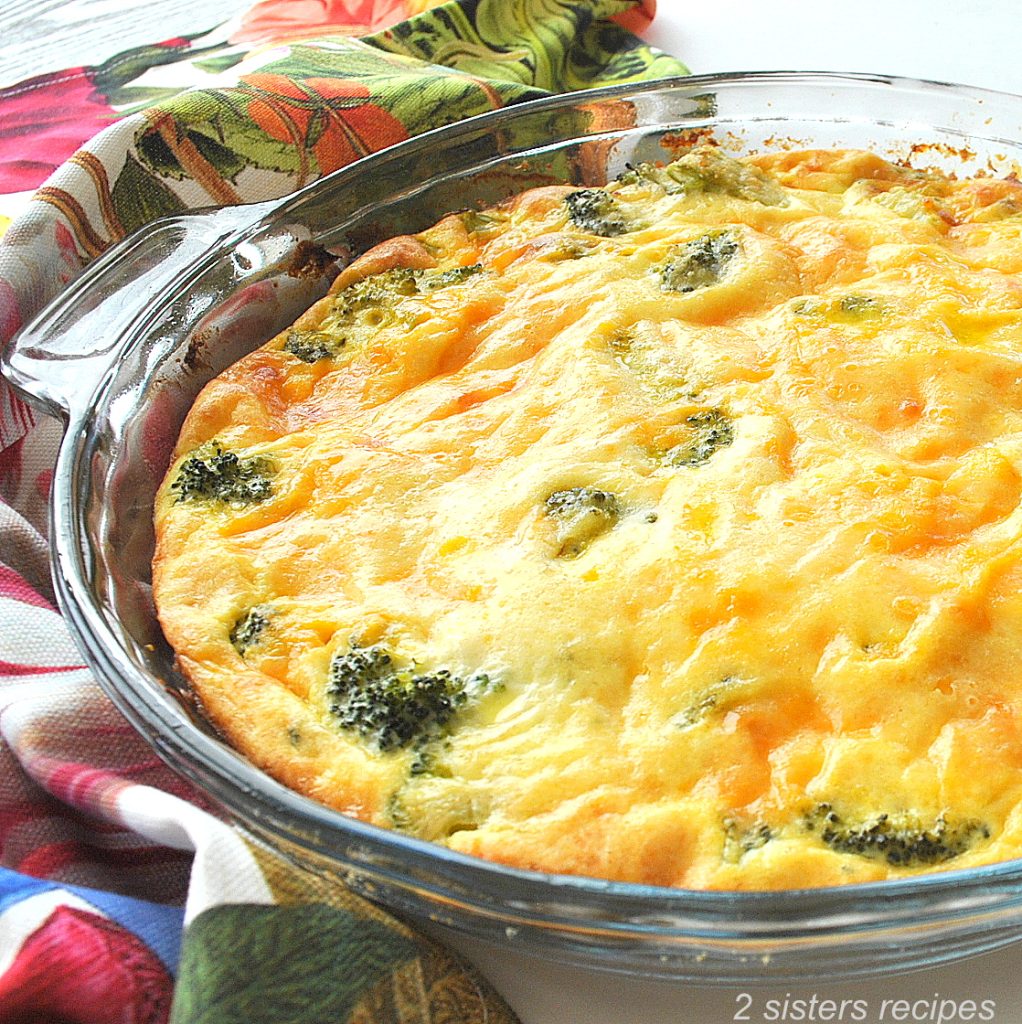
{"x": 970, "y": 42}
{"x": 975, "y": 42}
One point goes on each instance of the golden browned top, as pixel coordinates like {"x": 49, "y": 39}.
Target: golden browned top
{"x": 692, "y": 504}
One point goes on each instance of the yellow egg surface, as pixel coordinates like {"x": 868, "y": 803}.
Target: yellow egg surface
{"x": 666, "y": 532}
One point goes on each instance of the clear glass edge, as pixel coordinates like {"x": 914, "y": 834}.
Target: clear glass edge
{"x": 956, "y": 893}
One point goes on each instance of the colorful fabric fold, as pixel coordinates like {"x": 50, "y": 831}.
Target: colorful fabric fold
{"x": 215, "y": 121}
{"x": 107, "y": 854}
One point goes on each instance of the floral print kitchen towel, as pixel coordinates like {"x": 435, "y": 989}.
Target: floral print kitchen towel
{"x": 210, "y": 120}
{"x": 123, "y": 896}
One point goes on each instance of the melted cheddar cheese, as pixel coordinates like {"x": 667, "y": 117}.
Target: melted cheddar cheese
{"x": 686, "y": 509}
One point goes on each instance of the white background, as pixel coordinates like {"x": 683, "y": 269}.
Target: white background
{"x": 975, "y": 42}
{"x": 971, "y": 42}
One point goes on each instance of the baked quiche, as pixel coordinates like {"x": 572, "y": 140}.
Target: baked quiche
{"x": 666, "y": 532}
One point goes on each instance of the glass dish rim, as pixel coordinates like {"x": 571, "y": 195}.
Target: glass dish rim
{"x": 182, "y": 747}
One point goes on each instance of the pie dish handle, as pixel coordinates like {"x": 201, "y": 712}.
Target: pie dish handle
{"x": 59, "y": 358}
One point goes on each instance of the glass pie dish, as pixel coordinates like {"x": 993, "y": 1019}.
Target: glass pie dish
{"x": 123, "y": 352}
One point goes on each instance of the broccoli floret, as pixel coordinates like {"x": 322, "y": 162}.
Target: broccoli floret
{"x": 702, "y": 262}
{"x": 712, "y": 431}
{"x": 594, "y": 210}
{"x": 713, "y": 698}
{"x": 568, "y": 249}
{"x": 399, "y": 282}
{"x": 248, "y": 630}
{"x": 864, "y": 307}
{"x": 312, "y": 346}
{"x": 912, "y": 203}
{"x": 367, "y": 306}
{"x": 849, "y": 309}
{"x": 655, "y": 366}
{"x": 582, "y": 514}
{"x": 430, "y": 280}
{"x": 482, "y": 221}
{"x": 378, "y": 288}
{"x": 637, "y": 174}
{"x": 395, "y": 707}
{"x": 696, "y": 712}
{"x": 707, "y": 170}
{"x": 900, "y": 839}
{"x": 216, "y": 475}
{"x": 742, "y": 837}
{"x": 363, "y": 308}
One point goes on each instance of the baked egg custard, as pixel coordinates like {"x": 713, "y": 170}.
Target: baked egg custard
{"x": 666, "y": 532}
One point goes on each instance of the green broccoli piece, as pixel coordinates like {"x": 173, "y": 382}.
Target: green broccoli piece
{"x": 431, "y": 280}
{"x": 848, "y": 309}
{"x": 910, "y": 203}
{"x": 249, "y": 628}
{"x": 482, "y": 221}
{"x": 702, "y": 262}
{"x": 216, "y": 475}
{"x": 399, "y": 282}
{"x": 569, "y": 249}
{"x": 377, "y": 289}
{"x": 653, "y": 174}
{"x": 312, "y": 346}
{"x": 582, "y": 514}
{"x": 596, "y": 211}
{"x": 395, "y": 707}
{"x": 900, "y": 839}
{"x": 675, "y": 178}
{"x": 362, "y": 309}
{"x": 707, "y": 170}
{"x": 712, "y": 431}
{"x": 716, "y": 697}
{"x": 655, "y": 366}
{"x": 863, "y": 307}
{"x": 741, "y": 837}
{"x": 367, "y": 306}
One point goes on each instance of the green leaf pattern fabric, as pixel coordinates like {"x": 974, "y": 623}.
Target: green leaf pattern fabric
{"x": 308, "y": 950}
{"x": 313, "y": 963}
{"x": 317, "y": 963}
{"x": 211, "y": 122}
